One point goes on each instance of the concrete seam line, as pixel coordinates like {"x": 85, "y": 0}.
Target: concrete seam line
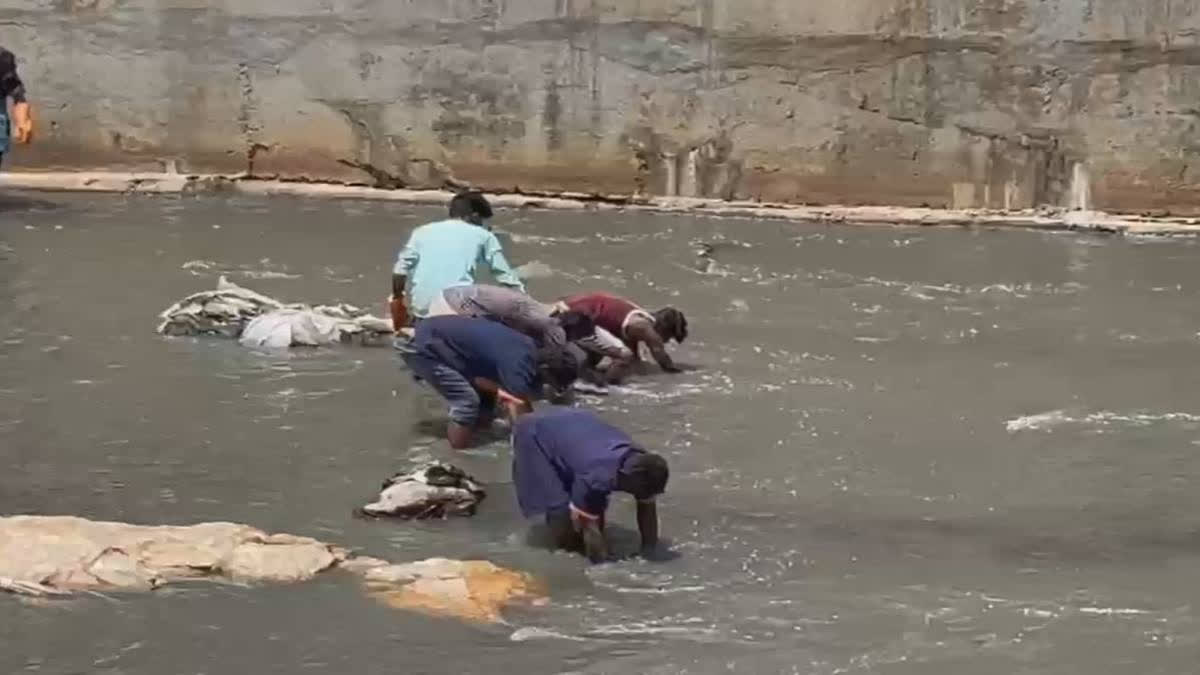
{"x": 878, "y": 216}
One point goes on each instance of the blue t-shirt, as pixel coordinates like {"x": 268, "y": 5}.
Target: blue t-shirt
{"x": 564, "y": 456}
{"x": 480, "y": 348}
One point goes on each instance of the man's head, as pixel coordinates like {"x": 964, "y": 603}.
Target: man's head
{"x": 644, "y": 475}
{"x": 472, "y": 207}
{"x": 558, "y": 368}
{"x": 576, "y": 325}
{"x": 671, "y": 324}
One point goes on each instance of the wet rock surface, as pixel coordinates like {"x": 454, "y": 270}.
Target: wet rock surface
{"x": 61, "y": 555}
{"x": 65, "y": 553}
{"x": 964, "y": 103}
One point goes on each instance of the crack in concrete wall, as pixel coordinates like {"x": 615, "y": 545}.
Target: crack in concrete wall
{"x": 965, "y": 103}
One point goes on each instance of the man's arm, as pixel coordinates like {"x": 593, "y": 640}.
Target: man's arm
{"x": 22, "y": 113}
{"x": 493, "y": 255}
{"x": 595, "y": 546}
{"x": 647, "y": 520}
{"x": 588, "y": 501}
{"x": 644, "y": 332}
{"x": 406, "y": 260}
{"x": 514, "y": 405}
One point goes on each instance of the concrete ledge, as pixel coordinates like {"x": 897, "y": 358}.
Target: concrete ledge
{"x": 1044, "y": 219}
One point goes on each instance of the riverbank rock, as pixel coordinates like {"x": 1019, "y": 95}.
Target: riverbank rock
{"x": 472, "y": 590}
{"x": 46, "y": 556}
{"x": 435, "y": 490}
{"x": 63, "y": 553}
{"x": 260, "y": 321}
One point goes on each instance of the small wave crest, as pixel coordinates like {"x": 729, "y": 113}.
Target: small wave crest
{"x": 1104, "y": 418}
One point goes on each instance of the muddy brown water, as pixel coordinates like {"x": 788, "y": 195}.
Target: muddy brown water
{"x": 900, "y": 450}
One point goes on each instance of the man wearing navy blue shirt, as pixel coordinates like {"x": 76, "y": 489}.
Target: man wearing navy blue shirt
{"x": 476, "y": 364}
{"x": 566, "y": 463}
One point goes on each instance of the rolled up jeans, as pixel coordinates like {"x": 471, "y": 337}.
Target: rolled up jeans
{"x": 602, "y": 343}
{"x": 465, "y": 402}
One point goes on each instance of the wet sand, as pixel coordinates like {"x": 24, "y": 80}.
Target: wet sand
{"x": 900, "y": 451}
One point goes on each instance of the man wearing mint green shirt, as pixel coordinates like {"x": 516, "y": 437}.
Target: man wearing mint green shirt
{"x": 445, "y": 254}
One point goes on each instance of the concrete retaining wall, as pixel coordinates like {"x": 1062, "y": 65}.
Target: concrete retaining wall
{"x": 942, "y": 103}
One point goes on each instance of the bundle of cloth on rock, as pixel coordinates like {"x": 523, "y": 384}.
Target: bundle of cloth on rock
{"x": 434, "y": 490}
{"x": 261, "y": 321}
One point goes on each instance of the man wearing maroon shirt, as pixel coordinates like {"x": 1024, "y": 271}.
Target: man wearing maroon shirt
{"x": 621, "y": 327}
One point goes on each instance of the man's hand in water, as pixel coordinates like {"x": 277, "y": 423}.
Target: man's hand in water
{"x": 594, "y": 545}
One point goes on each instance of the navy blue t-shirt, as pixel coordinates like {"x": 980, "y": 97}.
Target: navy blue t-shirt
{"x": 480, "y": 348}
{"x": 564, "y": 456}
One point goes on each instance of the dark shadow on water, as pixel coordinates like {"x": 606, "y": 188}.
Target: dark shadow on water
{"x": 436, "y": 430}
{"x": 624, "y": 543}
{"x": 19, "y": 202}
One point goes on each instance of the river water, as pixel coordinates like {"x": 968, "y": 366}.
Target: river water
{"x": 899, "y": 450}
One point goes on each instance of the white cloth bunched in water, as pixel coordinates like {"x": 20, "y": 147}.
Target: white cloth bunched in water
{"x": 285, "y": 328}
{"x": 435, "y": 490}
{"x": 261, "y": 321}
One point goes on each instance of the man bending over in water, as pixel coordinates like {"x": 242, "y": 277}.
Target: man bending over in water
{"x": 476, "y": 364}
{"x": 566, "y": 463}
{"x": 621, "y": 326}
{"x": 515, "y": 310}
{"x": 444, "y": 254}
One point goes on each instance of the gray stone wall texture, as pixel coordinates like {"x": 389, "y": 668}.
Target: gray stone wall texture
{"x": 964, "y": 103}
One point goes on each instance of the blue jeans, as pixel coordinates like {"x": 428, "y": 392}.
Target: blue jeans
{"x": 467, "y": 407}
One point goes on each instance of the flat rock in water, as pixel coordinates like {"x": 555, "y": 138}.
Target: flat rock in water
{"x": 472, "y": 590}
{"x": 60, "y": 555}
{"x": 63, "y": 553}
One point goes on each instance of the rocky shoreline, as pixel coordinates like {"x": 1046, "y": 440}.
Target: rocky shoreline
{"x": 1039, "y": 219}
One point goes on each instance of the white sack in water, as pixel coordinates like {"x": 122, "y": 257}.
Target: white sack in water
{"x": 230, "y": 310}
{"x": 287, "y": 327}
{"x": 434, "y": 490}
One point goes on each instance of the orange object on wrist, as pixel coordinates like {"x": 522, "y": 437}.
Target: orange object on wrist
{"x": 399, "y": 312}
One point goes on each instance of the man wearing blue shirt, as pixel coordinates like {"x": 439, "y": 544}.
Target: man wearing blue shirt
{"x": 476, "y": 364}
{"x": 444, "y": 254}
{"x": 566, "y": 463}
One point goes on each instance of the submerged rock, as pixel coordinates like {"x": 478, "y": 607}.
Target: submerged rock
{"x": 435, "y": 490}
{"x": 61, "y": 555}
{"x": 261, "y": 321}
{"x": 473, "y": 590}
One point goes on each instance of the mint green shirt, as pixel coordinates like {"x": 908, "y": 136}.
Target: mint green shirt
{"x": 444, "y": 254}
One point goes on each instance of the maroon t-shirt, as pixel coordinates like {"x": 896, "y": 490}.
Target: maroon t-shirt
{"x": 607, "y": 310}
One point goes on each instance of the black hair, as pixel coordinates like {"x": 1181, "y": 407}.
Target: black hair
{"x": 8, "y": 62}
{"x": 558, "y": 366}
{"x": 576, "y": 325}
{"x": 645, "y": 475}
{"x": 671, "y": 324}
{"x": 471, "y": 206}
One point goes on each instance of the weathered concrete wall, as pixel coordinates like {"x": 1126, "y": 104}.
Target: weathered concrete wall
{"x": 909, "y": 102}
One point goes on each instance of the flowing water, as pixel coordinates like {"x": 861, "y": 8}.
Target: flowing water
{"x": 899, "y": 450}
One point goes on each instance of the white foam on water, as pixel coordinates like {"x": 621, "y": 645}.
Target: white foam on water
{"x": 267, "y": 271}
{"x": 1054, "y": 418}
{"x": 1112, "y": 611}
{"x": 534, "y": 633}
{"x": 545, "y": 241}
